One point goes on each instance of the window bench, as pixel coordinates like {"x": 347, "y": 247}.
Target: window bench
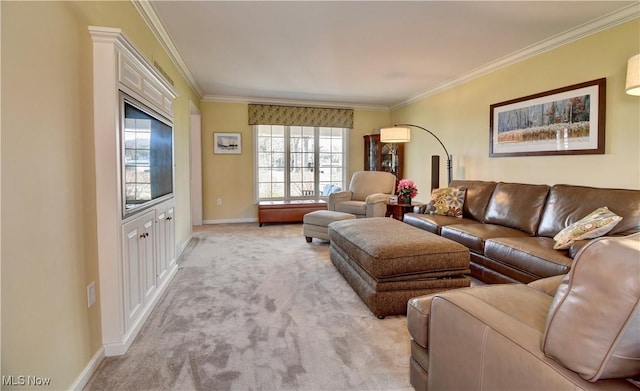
{"x": 287, "y": 211}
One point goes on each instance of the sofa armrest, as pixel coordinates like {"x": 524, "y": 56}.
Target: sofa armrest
{"x": 500, "y": 297}
{"x": 339, "y": 196}
{"x": 418, "y": 314}
{"x": 420, "y": 209}
{"x": 375, "y": 205}
{"x": 418, "y": 311}
{"x": 377, "y": 198}
{"x": 547, "y": 285}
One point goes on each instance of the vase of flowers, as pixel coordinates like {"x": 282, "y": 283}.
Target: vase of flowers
{"x": 406, "y": 191}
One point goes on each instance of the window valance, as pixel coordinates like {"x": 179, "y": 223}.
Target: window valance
{"x": 303, "y": 116}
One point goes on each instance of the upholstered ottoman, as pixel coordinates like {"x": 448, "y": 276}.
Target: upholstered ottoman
{"x": 315, "y": 223}
{"x": 387, "y": 262}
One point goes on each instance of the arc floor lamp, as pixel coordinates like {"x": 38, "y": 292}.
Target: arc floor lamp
{"x": 401, "y": 133}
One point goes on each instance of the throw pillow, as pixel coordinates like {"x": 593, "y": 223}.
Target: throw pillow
{"x": 595, "y": 224}
{"x": 447, "y": 201}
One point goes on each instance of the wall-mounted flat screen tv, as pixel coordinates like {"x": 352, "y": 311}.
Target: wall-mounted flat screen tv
{"x": 147, "y": 156}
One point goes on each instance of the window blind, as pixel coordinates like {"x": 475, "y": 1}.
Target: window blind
{"x": 301, "y": 116}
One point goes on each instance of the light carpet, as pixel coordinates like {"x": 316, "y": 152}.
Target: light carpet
{"x": 259, "y": 308}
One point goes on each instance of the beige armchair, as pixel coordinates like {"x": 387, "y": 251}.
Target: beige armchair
{"x": 367, "y": 195}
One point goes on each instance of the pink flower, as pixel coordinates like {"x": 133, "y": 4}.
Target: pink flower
{"x": 407, "y": 187}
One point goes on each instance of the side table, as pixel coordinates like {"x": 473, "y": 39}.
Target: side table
{"x": 397, "y": 211}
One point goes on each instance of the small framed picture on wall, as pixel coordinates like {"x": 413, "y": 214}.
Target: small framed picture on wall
{"x": 227, "y": 143}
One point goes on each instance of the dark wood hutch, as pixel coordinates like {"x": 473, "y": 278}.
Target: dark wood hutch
{"x": 381, "y": 157}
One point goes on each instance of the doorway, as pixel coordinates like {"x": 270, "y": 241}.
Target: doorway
{"x": 195, "y": 153}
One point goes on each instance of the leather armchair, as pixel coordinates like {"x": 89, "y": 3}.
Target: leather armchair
{"x": 579, "y": 331}
{"x": 367, "y": 195}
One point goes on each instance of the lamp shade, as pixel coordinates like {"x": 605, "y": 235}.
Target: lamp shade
{"x": 395, "y": 135}
{"x": 633, "y": 76}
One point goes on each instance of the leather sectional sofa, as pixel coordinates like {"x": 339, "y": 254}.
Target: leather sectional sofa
{"x": 509, "y": 227}
{"x": 580, "y": 331}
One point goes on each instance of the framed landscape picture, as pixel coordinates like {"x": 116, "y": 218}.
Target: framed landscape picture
{"x": 565, "y": 121}
{"x": 227, "y": 143}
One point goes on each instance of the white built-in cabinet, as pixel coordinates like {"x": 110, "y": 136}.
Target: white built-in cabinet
{"x": 136, "y": 252}
{"x": 137, "y": 265}
{"x": 148, "y": 256}
{"x": 166, "y": 234}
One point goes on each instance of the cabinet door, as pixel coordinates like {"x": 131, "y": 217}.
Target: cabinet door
{"x": 131, "y": 273}
{"x": 390, "y": 158}
{"x": 147, "y": 258}
{"x": 382, "y": 156}
{"x": 165, "y": 251}
{"x": 371, "y": 152}
{"x": 170, "y": 238}
{"x": 161, "y": 251}
{"x": 137, "y": 253}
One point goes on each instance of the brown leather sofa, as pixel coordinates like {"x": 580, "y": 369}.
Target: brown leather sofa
{"x": 580, "y": 331}
{"x": 509, "y": 227}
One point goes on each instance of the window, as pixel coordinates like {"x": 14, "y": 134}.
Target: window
{"x": 137, "y": 152}
{"x": 296, "y": 162}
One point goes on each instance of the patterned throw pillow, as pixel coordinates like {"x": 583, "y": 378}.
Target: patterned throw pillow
{"x": 447, "y": 201}
{"x": 595, "y": 224}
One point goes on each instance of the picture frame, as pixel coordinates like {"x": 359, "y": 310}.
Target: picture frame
{"x": 227, "y": 143}
{"x": 565, "y": 121}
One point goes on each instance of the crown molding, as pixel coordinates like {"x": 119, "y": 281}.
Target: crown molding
{"x": 293, "y": 102}
{"x": 610, "y": 20}
{"x": 149, "y": 15}
{"x": 623, "y": 15}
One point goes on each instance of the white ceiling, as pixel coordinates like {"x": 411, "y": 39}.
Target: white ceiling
{"x": 377, "y": 54}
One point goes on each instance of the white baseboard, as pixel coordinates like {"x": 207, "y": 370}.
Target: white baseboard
{"x": 88, "y": 371}
{"x": 231, "y": 221}
{"x": 120, "y": 348}
{"x": 182, "y": 246}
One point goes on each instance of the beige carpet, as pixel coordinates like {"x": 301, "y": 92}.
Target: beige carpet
{"x": 258, "y": 308}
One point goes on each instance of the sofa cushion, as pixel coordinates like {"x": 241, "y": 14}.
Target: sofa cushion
{"x": 547, "y": 285}
{"x": 476, "y": 199}
{"x": 433, "y": 223}
{"x": 593, "y": 325}
{"x": 567, "y": 204}
{"x": 358, "y": 208}
{"x": 595, "y": 224}
{"x": 517, "y": 206}
{"x": 532, "y": 255}
{"x": 473, "y": 236}
{"x": 447, "y": 201}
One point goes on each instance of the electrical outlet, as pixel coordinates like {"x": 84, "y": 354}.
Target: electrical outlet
{"x": 219, "y": 201}
{"x": 91, "y": 294}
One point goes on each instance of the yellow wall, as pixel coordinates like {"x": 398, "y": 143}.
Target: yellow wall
{"x": 48, "y": 182}
{"x": 230, "y": 177}
{"x": 48, "y": 197}
{"x": 460, "y": 117}
{"x": 364, "y": 122}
